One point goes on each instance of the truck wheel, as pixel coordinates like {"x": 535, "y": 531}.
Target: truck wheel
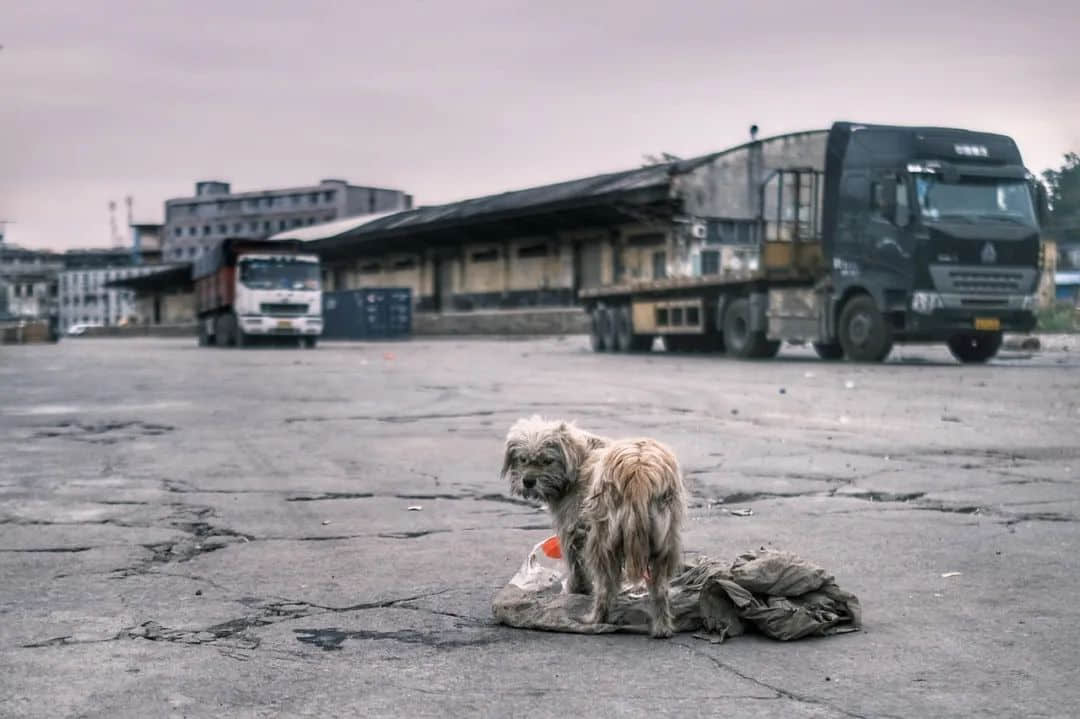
{"x": 975, "y": 347}
{"x": 596, "y": 331}
{"x": 221, "y": 331}
{"x": 829, "y": 351}
{"x": 242, "y": 338}
{"x": 204, "y": 336}
{"x": 863, "y": 333}
{"x": 311, "y": 342}
{"x": 739, "y": 339}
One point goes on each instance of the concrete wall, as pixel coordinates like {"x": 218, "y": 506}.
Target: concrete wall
{"x": 567, "y": 321}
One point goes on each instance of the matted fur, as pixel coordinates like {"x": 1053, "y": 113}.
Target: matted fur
{"x": 618, "y": 508}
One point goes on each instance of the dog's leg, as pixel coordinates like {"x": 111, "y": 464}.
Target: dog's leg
{"x": 577, "y": 581}
{"x": 659, "y": 581}
{"x": 603, "y": 558}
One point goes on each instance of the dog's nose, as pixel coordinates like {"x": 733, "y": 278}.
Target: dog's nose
{"x": 529, "y": 482}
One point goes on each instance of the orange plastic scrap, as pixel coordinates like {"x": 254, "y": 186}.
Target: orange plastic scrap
{"x": 551, "y": 547}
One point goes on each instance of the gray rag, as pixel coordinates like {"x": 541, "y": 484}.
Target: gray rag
{"x": 778, "y": 593}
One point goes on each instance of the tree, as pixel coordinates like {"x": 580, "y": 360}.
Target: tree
{"x": 1063, "y": 188}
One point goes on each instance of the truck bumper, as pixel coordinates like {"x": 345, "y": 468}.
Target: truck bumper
{"x": 294, "y": 326}
{"x": 944, "y": 323}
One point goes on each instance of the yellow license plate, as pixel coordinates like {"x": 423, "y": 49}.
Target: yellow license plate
{"x": 987, "y": 323}
{"x": 285, "y": 324}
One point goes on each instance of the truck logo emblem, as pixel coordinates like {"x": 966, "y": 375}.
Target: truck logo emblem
{"x": 989, "y": 256}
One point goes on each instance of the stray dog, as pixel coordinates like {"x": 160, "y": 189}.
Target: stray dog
{"x": 617, "y": 505}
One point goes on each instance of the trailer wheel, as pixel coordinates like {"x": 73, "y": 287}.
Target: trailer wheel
{"x": 975, "y": 347}
{"x": 829, "y": 351}
{"x": 739, "y": 339}
{"x": 204, "y": 336}
{"x": 597, "y": 335}
{"x": 221, "y": 331}
{"x": 863, "y": 332}
{"x": 311, "y": 342}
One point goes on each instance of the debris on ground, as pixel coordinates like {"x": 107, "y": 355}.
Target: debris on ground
{"x": 946, "y": 575}
{"x": 742, "y": 512}
{"x": 777, "y": 593}
{"x": 415, "y": 508}
{"x": 850, "y": 384}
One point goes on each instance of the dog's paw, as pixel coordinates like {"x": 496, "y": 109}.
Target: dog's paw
{"x": 662, "y": 631}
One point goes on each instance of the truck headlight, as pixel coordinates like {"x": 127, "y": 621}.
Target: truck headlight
{"x": 926, "y": 302}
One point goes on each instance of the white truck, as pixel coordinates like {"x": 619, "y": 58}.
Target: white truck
{"x": 249, "y": 290}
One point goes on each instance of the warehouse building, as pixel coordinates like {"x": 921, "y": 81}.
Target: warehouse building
{"x": 540, "y": 246}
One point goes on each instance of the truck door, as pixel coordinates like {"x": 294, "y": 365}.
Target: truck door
{"x": 889, "y": 246}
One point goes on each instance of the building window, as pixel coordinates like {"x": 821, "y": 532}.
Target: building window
{"x": 222, "y": 229}
{"x": 311, "y": 220}
{"x": 266, "y": 226}
{"x": 659, "y": 265}
{"x": 238, "y": 228}
{"x": 532, "y": 251}
{"x": 297, "y": 222}
{"x": 206, "y": 230}
{"x": 281, "y": 225}
{"x": 485, "y": 255}
{"x": 328, "y": 196}
{"x": 710, "y": 262}
{"x": 370, "y": 268}
{"x": 192, "y": 231}
{"x": 254, "y": 226}
{"x": 313, "y": 198}
{"x": 178, "y": 231}
{"x": 295, "y": 199}
{"x": 331, "y": 216}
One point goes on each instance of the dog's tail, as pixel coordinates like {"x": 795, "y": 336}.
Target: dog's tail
{"x": 640, "y": 488}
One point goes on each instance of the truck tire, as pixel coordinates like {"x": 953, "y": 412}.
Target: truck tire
{"x": 864, "y": 335}
{"x": 311, "y": 342}
{"x": 739, "y": 339}
{"x": 596, "y": 333}
{"x": 204, "y": 336}
{"x": 975, "y": 347}
{"x": 829, "y": 351}
{"x": 221, "y": 331}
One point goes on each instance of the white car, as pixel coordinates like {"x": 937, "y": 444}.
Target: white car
{"x": 79, "y": 329}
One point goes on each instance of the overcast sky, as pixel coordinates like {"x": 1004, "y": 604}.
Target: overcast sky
{"x": 458, "y": 98}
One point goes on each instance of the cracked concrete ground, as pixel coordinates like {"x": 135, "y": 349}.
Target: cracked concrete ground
{"x": 205, "y": 533}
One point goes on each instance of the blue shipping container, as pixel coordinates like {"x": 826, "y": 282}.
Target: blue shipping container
{"x": 369, "y": 313}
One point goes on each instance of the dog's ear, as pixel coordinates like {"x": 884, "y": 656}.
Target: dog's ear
{"x": 508, "y": 458}
{"x": 568, "y": 445}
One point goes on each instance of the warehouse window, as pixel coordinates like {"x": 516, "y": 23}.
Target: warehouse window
{"x": 533, "y": 251}
{"x": 646, "y": 240}
{"x": 370, "y": 268}
{"x": 659, "y": 264}
{"x": 405, "y": 264}
{"x": 486, "y": 255}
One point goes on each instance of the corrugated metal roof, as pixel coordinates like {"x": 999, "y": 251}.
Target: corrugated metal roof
{"x": 533, "y": 197}
{"x": 327, "y": 230}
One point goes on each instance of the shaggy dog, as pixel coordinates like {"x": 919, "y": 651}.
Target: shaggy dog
{"x": 617, "y": 505}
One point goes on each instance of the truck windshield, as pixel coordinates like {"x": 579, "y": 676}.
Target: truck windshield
{"x": 279, "y": 274}
{"x": 972, "y": 200}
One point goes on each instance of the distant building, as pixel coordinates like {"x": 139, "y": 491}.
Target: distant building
{"x": 194, "y": 223}
{"x": 85, "y": 299}
{"x": 146, "y": 242}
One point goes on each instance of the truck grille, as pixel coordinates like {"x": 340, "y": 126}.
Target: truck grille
{"x": 963, "y": 280}
{"x": 282, "y": 308}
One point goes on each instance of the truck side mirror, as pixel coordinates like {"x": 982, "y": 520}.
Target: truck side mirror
{"x": 1042, "y": 203}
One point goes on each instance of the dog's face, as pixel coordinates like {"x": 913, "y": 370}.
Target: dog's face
{"x": 540, "y": 459}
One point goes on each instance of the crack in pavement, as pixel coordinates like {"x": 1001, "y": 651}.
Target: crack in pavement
{"x": 780, "y": 692}
{"x": 234, "y": 630}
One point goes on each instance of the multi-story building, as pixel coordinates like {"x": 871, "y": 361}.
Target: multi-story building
{"x": 192, "y": 224}
{"x": 85, "y": 299}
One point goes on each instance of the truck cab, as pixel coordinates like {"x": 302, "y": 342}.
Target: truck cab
{"x": 931, "y": 234}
